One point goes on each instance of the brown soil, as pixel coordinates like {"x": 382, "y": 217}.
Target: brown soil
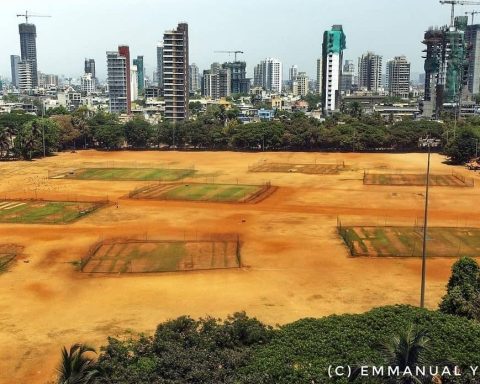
{"x": 296, "y": 264}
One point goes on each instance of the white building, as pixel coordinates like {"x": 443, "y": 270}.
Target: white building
{"x": 334, "y": 42}
{"x": 88, "y": 83}
{"x": 133, "y": 83}
{"x": 398, "y": 77}
{"x": 194, "y": 78}
{"x": 268, "y": 74}
{"x": 303, "y": 80}
{"x": 319, "y": 77}
{"x": 370, "y": 72}
{"x": 25, "y": 76}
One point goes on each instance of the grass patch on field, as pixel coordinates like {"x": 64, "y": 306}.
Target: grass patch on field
{"x": 408, "y": 241}
{"x": 44, "y": 212}
{"x": 131, "y": 174}
{"x": 201, "y": 192}
{"x": 134, "y": 256}
{"x": 453, "y": 180}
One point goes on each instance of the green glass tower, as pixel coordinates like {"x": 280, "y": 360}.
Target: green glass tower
{"x": 140, "y": 73}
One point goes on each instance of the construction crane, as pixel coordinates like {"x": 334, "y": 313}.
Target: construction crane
{"x": 229, "y": 52}
{"x": 27, "y": 15}
{"x": 457, "y": 2}
{"x": 473, "y": 13}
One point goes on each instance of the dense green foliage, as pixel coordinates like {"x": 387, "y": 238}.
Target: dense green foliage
{"x": 463, "y": 290}
{"x": 241, "y": 350}
{"x": 184, "y": 351}
{"x": 302, "y": 351}
{"x": 219, "y": 129}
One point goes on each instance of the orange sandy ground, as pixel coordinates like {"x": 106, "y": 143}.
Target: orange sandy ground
{"x": 297, "y": 266}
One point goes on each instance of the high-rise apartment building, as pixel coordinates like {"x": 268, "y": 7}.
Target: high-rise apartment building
{"x": 175, "y": 73}
{"x": 194, "y": 80}
{"x": 140, "y": 75}
{"x": 14, "y": 61}
{"x": 88, "y": 83}
{"x": 334, "y": 43}
{"x": 238, "y": 72}
{"x": 302, "y": 83}
{"x": 348, "y": 74}
{"x": 473, "y": 42}
{"x": 292, "y": 73}
{"x": 398, "y": 77}
{"x": 28, "y": 49}
{"x": 370, "y": 72}
{"x": 268, "y": 74}
{"x": 90, "y": 67}
{"x": 25, "y": 82}
{"x": 133, "y": 83}
{"x": 160, "y": 64}
{"x": 319, "y": 87}
{"x": 446, "y": 66}
{"x": 118, "y": 70}
{"x": 217, "y": 82}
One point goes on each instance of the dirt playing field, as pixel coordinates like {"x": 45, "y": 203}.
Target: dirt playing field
{"x": 295, "y": 263}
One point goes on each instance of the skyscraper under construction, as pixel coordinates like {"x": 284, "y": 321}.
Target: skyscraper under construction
{"x": 446, "y": 66}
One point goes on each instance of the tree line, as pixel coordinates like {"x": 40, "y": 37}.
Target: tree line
{"x": 26, "y": 136}
{"x": 242, "y": 350}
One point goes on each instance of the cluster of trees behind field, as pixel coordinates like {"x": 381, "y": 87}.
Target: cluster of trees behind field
{"x": 243, "y": 350}
{"x": 25, "y": 136}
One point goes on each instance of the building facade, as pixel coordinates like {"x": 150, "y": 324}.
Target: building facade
{"x": 160, "y": 65}
{"x": 88, "y": 84}
{"x": 14, "y": 61}
{"x": 446, "y": 66}
{"x": 370, "y": 72}
{"x": 194, "y": 74}
{"x": 398, "y": 77}
{"x": 89, "y": 67}
{"x": 268, "y": 75}
{"x": 302, "y": 84}
{"x": 217, "y": 82}
{"x": 334, "y": 43}
{"x": 25, "y": 82}
{"x": 118, "y": 71}
{"x": 176, "y": 87}
{"x": 28, "y": 49}
{"x": 138, "y": 62}
{"x": 240, "y": 84}
{"x": 473, "y": 42}
{"x": 318, "y": 89}
{"x": 348, "y": 75}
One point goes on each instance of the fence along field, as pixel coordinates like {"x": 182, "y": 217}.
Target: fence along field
{"x": 125, "y": 174}
{"x": 8, "y": 254}
{"x": 308, "y": 168}
{"x": 402, "y": 241}
{"x": 45, "y": 212}
{"x": 148, "y": 256}
{"x": 402, "y": 179}
{"x": 224, "y": 193}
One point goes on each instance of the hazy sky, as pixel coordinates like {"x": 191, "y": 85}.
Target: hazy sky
{"x": 288, "y": 30}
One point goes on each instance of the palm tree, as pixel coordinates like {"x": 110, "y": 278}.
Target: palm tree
{"x": 407, "y": 350}
{"x": 76, "y": 367}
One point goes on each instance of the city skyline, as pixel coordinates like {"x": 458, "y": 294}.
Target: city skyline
{"x": 290, "y": 41}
